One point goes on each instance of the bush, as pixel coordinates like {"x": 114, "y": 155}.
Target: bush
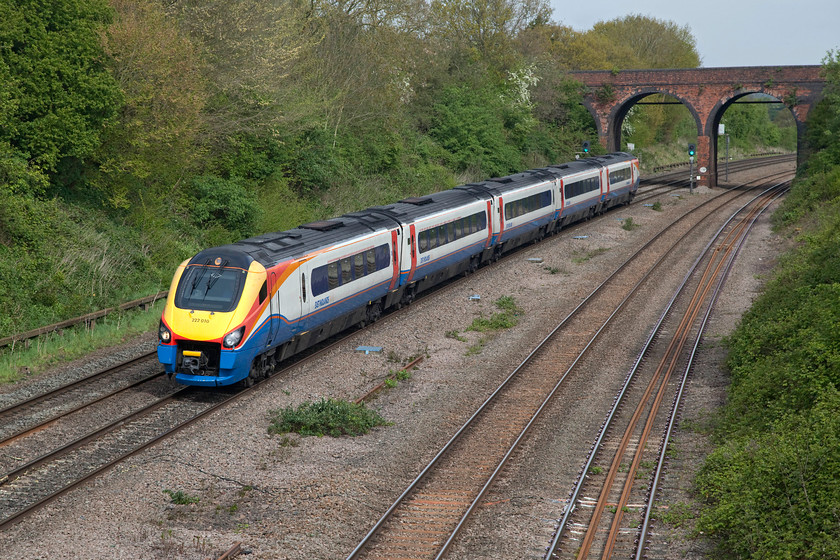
{"x": 225, "y": 202}
{"x": 331, "y": 417}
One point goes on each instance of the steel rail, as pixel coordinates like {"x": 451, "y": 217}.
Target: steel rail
{"x": 678, "y": 397}
{"x": 25, "y": 431}
{"x": 574, "y": 494}
{"x": 76, "y": 383}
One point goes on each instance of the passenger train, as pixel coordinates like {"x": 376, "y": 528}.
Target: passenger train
{"x": 234, "y": 311}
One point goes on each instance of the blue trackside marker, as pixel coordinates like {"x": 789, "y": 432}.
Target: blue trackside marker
{"x": 580, "y": 237}
{"x": 369, "y": 349}
{"x": 475, "y": 297}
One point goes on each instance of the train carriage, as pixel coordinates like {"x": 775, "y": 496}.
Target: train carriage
{"x": 234, "y": 311}
{"x": 443, "y": 235}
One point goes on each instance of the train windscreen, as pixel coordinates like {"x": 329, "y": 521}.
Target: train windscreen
{"x": 210, "y": 288}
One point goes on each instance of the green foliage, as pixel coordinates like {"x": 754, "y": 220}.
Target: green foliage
{"x": 329, "y": 416}
{"x": 181, "y": 498}
{"x": 471, "y": 126}
{"x": 57, "y": 94}
{"x": 225, "y": 202}
{"x": 629, "y": 225}
{"x": 774, "y": 494}
{"x": 505, "y": 319}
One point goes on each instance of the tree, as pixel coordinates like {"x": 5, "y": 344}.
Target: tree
{"x": 58, "y": 93}
{"x": 486, "y": 27}
{"x": 156, "y": 138}
{"x": 653, "y": 43}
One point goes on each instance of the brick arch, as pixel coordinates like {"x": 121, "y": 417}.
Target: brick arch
{"x": 716, "y": 115}
{"x": 619, "y": 113}
{"x": 706, "y": 92}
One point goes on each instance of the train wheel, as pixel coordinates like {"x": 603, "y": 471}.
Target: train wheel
{"x": 374, "y": 312}
{"x": 253, "y": 375}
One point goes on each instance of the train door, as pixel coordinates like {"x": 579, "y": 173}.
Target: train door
{"x": 274, "y": 309}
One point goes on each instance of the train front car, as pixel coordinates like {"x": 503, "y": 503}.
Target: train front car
{"x": 208, "y": 327}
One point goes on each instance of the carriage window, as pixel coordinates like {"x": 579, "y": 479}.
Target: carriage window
{"x": 332, "y": 275}
{"x": 383, "y": 257}
{"x": 423, "y": 241}
{"x": 370, "y": 256}
{"x": 346, "y": 272}
{"x": 359, "y": 265}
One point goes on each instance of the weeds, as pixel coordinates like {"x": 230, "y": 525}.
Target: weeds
{"x": 181, "y": 498}
{"x": 331, "y": 417}
{"x": 455, "y": 335}
{"x": 629, "y": 225}
{"x": 581, "y": 257}
{"x": 504, "y": 319}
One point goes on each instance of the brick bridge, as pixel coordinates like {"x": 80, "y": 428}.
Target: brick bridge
{"x": 706, "y": 92}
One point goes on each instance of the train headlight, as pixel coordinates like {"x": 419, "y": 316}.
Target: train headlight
{"x": 234, "y": 337}
{"x": 163, "y": 333}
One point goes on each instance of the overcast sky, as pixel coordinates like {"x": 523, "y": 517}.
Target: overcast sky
{"x": 729, "y": 32}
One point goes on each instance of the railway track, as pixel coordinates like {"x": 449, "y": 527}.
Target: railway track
{"x": 653, "y": 187}
{"x": 428, "y": 516}
{"x": 627, "y": 460}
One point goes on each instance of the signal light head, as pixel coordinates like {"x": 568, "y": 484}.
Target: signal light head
{"x": 586, "y": 147}
{"x": 691, "y": 149}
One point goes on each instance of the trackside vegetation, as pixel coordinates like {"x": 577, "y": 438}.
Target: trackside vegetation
{"x": 327, "y": 416}
{"x": 772, "y": 486}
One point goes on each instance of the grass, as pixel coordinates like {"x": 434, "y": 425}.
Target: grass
{"x": 504, "y": 319}
{"x": 181, "y": 498}
{"x": 581, "y": 257}
{"x": 629, "y": 225}
{"x": 333, "y": 417}
{"x": 21, "y": 360}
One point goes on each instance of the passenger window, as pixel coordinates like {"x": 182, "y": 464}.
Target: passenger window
{"x": 332, "y": 275}
{"x": 450, "y": 232}
{"x": 423, "y": 241}
{"x": 346, "y": 272}
{"x": 359, "y": 264}
{"x": 371, "y": 260}
{"x": 442, "y": 235}
{"x": 459, "y": 228}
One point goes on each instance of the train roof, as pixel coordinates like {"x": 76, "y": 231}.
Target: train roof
{"x": 269, "y": 249}
{"x": 409, "y": 209}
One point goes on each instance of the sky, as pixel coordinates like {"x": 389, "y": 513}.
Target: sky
{"x": 729, "y": 32}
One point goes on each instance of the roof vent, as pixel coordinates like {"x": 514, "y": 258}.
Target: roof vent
{"x": 418, "y": 201}
{"x": 326, "y": 225}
